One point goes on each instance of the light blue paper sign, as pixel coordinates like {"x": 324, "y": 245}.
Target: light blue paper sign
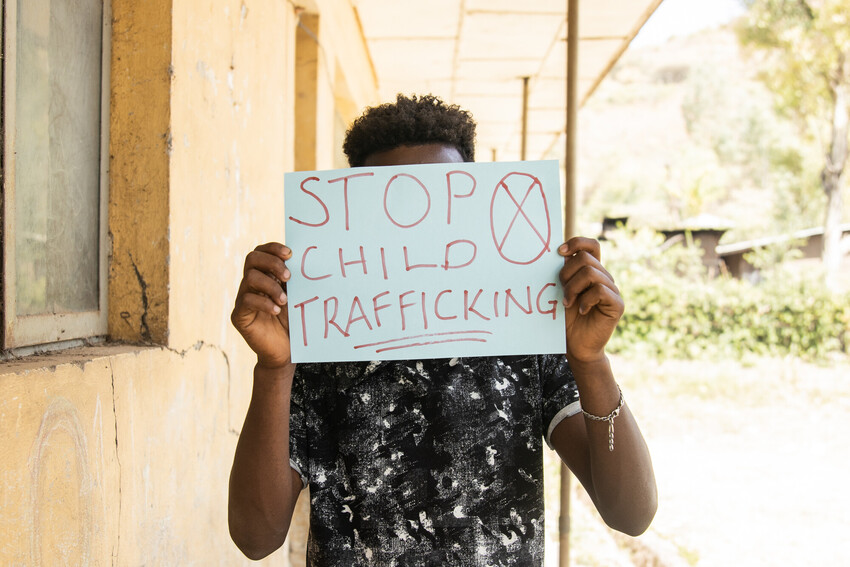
{"x": 424, "y": 261}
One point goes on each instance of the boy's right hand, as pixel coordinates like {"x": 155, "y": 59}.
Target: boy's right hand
{"x": 260, "y": 314}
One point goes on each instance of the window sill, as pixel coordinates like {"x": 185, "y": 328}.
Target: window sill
{"x": 16, "y": 362}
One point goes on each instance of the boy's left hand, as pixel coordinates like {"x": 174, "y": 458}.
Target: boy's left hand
{"x": 592, "y": 300}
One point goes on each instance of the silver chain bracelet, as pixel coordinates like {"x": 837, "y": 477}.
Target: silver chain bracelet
{"x": 609, "y": 418}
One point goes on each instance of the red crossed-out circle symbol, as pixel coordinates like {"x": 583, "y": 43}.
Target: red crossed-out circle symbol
{"x": 517, "y": 182}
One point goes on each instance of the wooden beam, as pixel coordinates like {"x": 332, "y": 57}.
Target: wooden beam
{"x": 569, "y": 229}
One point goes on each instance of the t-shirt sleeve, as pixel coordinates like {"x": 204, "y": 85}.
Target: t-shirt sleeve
{"x": 298, "y": 435}
{"x": 559, "y": 391}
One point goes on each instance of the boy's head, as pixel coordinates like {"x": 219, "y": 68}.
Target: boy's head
{"x": 411, "y": 122}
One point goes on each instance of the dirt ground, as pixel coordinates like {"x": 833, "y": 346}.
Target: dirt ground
{"x": 752, "y": 466}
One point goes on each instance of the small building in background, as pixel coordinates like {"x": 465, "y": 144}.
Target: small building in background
{"x": 704, "y": 230}
{"x": 808, "y": 242}
{"x": 610, "y": 224}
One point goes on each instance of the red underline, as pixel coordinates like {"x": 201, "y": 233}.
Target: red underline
{"x": 430, "y": 343}
{"x": 425, "y": 335}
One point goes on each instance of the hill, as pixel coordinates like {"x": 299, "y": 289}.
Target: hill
{"x": 685, "y": 128}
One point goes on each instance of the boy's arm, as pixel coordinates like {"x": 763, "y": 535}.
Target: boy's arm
{"x": 621, "y": 482}
{"x": 263, "y": 486}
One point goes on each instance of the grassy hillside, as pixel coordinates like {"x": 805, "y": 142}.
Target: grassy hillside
{"x": 686, "y": 128}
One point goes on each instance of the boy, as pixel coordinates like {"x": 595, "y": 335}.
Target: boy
{"x": 430, "y": 462}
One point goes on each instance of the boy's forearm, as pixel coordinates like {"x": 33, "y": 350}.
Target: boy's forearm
{"x": 622, "y": 481}
{"x": 263, "y": 486}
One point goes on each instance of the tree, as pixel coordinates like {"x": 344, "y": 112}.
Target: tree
{"x": 806, "y": 46}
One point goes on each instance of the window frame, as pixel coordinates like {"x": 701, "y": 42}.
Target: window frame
{"x": 30, "y": 330}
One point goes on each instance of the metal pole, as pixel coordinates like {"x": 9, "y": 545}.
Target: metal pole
{"x": 524, "y": 139}
{"x": 569, "y": 229}
{"x": 564, "y": 520}
{"x": 572, "y": 115}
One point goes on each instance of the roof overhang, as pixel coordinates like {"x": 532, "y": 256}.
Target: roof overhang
{"x": 475, "y": 53}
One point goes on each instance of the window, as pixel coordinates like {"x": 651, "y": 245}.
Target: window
{"x": 55, "y": 117}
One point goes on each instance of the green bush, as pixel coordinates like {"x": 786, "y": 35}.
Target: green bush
{"x": 675, "y": 310}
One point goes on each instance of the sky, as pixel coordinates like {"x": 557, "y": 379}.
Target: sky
{"x": 683, "y": 17}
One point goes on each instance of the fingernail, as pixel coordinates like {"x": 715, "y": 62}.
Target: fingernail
{"x": 276, "y": 310}
{"x": 583, "y": 310}
{"x": 282, "y": 298}
{"x": 286, "y": 274}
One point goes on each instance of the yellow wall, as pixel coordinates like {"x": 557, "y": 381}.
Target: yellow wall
{"x": 119, "y": 455}
{"x": 138, "y": 170}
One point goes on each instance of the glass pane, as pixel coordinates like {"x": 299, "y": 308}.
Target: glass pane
{"x": 57, "y": 146}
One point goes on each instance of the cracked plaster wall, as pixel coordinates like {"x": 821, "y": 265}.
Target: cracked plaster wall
{"x": 116, "y": 456}
{"x": 120, "y": 455}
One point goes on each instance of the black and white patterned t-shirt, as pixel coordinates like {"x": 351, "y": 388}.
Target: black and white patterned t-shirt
{"x": 431, "y": 462}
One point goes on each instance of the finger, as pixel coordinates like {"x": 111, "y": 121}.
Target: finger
{"x": 275, "y": 249}
{"x": 259, "y": 282}
{"x": 255, "y": 303}
{"x": 268, "y": 263}
{"x": 583, "y": 280}
{"x": 583, "y": 261}
{"x": 580, "y": 243}
{"x": 573, "y": 264}
{"x": 606, "y": 300}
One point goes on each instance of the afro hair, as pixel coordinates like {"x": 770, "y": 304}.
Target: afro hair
{"x": 410, "y": 121}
